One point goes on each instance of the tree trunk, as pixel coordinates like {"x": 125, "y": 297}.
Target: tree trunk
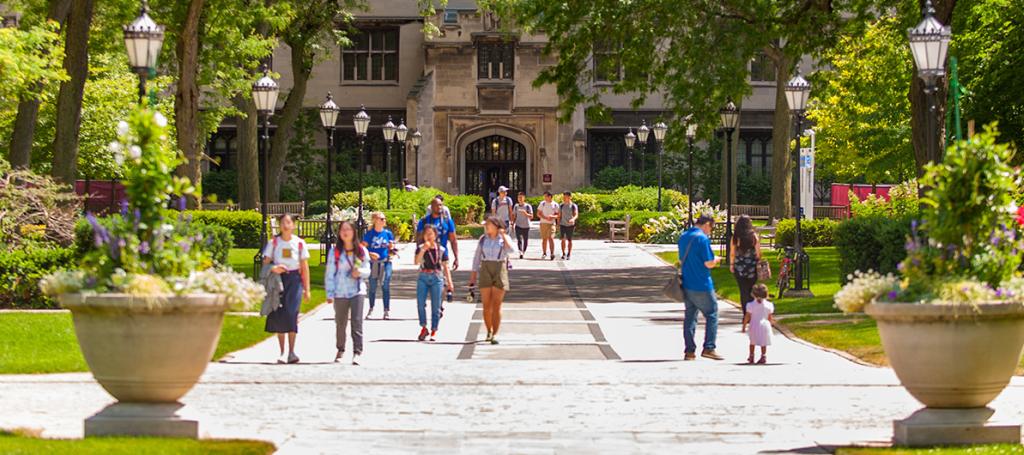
{"x": 301, "y": 68}
{"x": 28, "y": 109}
{"x": 920, "y": 107}
{"x": 782, "y": 160}
{"x": 69, "y": 98}
{"x": 248, "y": 164}
{"x": 186, "y": 98}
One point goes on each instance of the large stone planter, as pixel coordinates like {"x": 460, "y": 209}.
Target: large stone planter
{"x": 147, "y": 354}
{"x": 954, "y": 359}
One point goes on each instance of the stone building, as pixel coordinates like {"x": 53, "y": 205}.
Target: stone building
{"x": 469, "y": 92}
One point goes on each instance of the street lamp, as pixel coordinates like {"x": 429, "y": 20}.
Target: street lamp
{"x": 361, "y": 121}
{"x": 641, "y": 136}
{"x": 417, "y": 137}
{"x": 389, "y": 135}
{"x": 143, "y": 39}
{"x": 264, "y": 94}
{"x": 797, "y": 91}
{"x": 691, "y": 133}
{"x": 929, "y": 41}
{"x": 659, "y": 137}
{"x": 328, "y": 118}
{"x": 630, "y": 140}
{"x": 400, "y": 134}
{"x": 730, "y": 117}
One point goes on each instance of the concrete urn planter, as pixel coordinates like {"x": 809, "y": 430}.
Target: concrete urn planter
{"x": 952, "y": 356}
{"x": 145, "y": 351}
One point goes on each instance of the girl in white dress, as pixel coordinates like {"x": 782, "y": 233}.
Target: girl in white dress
{"x": 760, "y": 316}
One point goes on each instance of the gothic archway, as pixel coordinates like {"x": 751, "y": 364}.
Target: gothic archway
{"x": 494, "y": 161}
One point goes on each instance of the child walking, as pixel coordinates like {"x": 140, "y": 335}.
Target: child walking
{"x": 760, "y": 316}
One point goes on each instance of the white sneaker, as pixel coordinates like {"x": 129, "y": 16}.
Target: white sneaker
{"x": 369, "y": 313}
{"x": 283, "y": 358}
{"x": 355, "y": 359}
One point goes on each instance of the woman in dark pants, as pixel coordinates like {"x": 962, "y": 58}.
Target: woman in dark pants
{"x": 743, "y": 258}
{"x": 288, "y": 256}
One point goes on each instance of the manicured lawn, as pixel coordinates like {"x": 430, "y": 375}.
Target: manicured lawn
{"x": 17, "y": 444}
{"x": 39, "y": 343}
{"x": 1001, "y": 449}
{"x": 824, "y": 281}
{"x": 857, "y": 335}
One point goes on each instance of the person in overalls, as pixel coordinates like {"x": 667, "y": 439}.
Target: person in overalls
{"x": 286, "y": 255}
{"x": 380, "y": 242}
{"x": 490, "y": 265}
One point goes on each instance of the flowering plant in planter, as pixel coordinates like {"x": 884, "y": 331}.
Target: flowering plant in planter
{"x": 147, "y": 249}
{"x": 968, "y": 245}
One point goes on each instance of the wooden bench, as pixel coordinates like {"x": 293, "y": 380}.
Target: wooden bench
{"x": 616, "y": 227}
{"x": 218, "y": 206}
{"x": 297, "y": 209}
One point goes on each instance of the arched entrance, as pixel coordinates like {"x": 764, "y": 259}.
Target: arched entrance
{"x": 494, "y": 161}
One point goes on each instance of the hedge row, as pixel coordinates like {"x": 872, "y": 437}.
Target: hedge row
{"x": 627, "y": 198}
{"x": 596, "y": 223}
{"x": 21, "y": 270}
{"x": 244, "y": 225}
{"x": 872, "y": 243}
{"x": 816, "y": 232}
{"x": 465, "y": 208}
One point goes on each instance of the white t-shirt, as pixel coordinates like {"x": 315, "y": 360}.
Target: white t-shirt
{"x": 500, "y": 207}
{"x": 546, "y": 209}
{"x": 287, "y": 252}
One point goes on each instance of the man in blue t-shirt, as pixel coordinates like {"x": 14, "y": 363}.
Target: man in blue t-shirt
{"x": 379, "y": 241}
{"x": 445, "y": 231}
{"x": 696, "y": 261}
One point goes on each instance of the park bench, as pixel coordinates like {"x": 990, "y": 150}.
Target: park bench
{"x": 297, "y": 209}
{"x": 218, "y": 206}
{"x": 619, "y": 227}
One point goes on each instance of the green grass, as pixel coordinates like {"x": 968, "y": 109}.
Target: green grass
{"x": 824, "y": 281}
{"x": 44, "y": 342}
{"x": 18, "y": 444}
{"x": 1000, "y": 449}
{"x": 856, "y": 335}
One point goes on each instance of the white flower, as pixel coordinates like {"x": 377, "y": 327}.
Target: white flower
{"x": 114, "y": 147}
{"x": 160, "y": 119}
{"x": 119, "y": 158}
{"x": 122, "y": 128}
{"x": 862, "y": 289}
{"x": 134, "y": 152}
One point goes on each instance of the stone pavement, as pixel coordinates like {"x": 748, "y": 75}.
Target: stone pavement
{"x": 589, "y": 363}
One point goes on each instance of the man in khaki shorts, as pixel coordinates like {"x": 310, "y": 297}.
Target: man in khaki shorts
{"x": 547, "y": 210}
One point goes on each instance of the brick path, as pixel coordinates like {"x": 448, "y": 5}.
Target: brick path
{"x": 411, "y": 397}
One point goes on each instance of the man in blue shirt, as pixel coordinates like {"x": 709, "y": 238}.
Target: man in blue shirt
{"x": 696, "y": 261}
{"x": 379, "y": 241}
{"x": 445, "y": 231}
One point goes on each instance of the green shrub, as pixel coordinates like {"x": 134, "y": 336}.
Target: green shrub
{"x": 316, "y": 207}
{"x": 466, "y": 208}
{"x": 244, "y": 225}
{"x": 636, "y": 198}
{"x": 611, "y": 178}
{"x": 220, "y": 186}
{"x": 872, "y": 243}
{"x": 21, "y": 270}
{"x": 593, "y": 190}
{"x": 400, "y": 223}
{"x": 470, "y": 231}
{"x": 596, "y": 223}
{"x": 817, "y": 232}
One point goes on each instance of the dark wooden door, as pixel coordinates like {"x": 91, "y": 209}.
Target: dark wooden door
{"x": 495, "y": 161}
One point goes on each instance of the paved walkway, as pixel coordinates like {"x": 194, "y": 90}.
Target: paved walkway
{"x": 589, "y": 363}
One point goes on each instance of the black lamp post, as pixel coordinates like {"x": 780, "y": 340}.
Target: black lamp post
{"x": 264, "y": 94}
{"x": 400, "y": 135}
{"x": 361, "y": 121}
{"x": 691, "y": 133}
{"x": 730, "y": 117}
{"x": 328, "y": 118}
{"x": 630, "y": 141}
{"x": 416, "y": 139}
{"x": 797, "y": 90}
{"x": 659, "y": 137}
{"x": 389, "y": 135}
{"x": 641, "y": 136}
{"x": 143, "y": 39}
{"x": 929, "y": 41}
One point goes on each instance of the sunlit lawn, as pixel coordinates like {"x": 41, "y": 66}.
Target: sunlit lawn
{"x": 17, "y": 444}
{"x": 999, "y": 449}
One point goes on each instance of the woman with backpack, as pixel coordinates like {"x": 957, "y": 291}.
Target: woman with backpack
{"x": 434, "y": 275}
{"x": 743, "y": 258}
{"x": 490, "y": 265}
{"x": 286, "y": 255}
{"x": 348, "y": 266}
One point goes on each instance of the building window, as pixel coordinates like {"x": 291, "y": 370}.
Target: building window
{"x": 373, "y": 56}
{"x": 762, "y": 69}
{"x": 758, "y": 153}
{"x": 607, "y": 66}
{"x": 608, "y": 149}
{"x": 495, "y": 61}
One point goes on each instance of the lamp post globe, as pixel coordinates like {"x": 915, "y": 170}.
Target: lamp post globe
{"x": 417, "y": 138}
{"x": 328, "y": 118}
{"x": 143, "y": 39}
{"x": 401, "y": 134}
{"x": 630, "y": 141}
{"x": 389, "y": 129}
{"x": 929, "y": 43}
{"x": 361, "y": 121}
{"x": 730, "y": 118}
{"x": 797, "y": 92}
{"x": 642, "y": 134}
{"x": 264, "y": 94}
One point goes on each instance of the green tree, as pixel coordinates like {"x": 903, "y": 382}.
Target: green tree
{"x": 859, "y": 106}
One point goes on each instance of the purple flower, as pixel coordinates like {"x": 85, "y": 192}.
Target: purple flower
{"x": 892, "y": 295}
{"x": 999, "y": 293}
{"x": 99, "y": 233}
{"x": 185, "y": 246}
{"x": 181, "y": 203}
{"x": 144, "y": 247}
{"x": 913, "y": 226}
{"x": 124, "y": 207}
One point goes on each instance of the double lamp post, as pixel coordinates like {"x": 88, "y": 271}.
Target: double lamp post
{"x": 643, "y": 133}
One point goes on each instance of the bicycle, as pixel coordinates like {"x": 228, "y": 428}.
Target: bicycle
{"x": 788, "y": 258}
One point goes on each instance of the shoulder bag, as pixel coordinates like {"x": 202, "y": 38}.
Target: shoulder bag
{"x": 674, "y": 288}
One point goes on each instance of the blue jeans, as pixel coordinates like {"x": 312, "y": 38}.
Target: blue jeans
{"x": 704, "y": 302}
{"x": 385, "y": 286}
{"x": 432, "y": 283}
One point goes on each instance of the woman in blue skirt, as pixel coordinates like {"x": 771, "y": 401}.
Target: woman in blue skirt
{"x": 289, "y": 258}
